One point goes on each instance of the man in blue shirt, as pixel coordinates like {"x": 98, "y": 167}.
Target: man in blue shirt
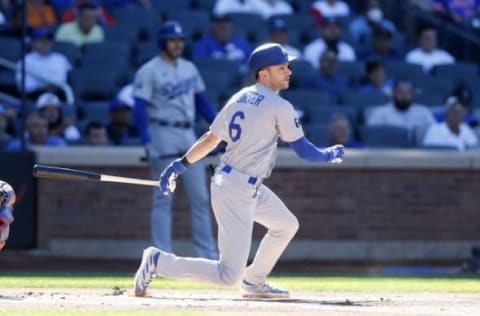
{"x": 221, "y": 44}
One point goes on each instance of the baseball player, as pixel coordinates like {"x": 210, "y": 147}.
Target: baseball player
{"x": 250, "y": 123}
{"x": 7, "y": 199}
{"x": 167, "y": 91}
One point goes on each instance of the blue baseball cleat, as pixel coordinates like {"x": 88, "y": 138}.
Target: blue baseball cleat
{"x": 147, "y": 271}
{"x": 262, "y": 290}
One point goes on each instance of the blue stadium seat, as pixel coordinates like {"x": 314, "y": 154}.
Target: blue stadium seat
{"x": 107, "y": 49}
{"x": 144, "y": 51}
{"x": 363, "y": 99}
{"x": 403, "y": 69}
{"x": 68, "y": 49}
{"x": 250, "y": 24}
{"x": 94, "y": 111}
{"x": 323, "y": 113}
{"x": 301, "y": 70}
{"x": 317, "y": 134}
{"x": 228, "y": 70}
{"x": 456, "y": 71}
{"x": 11, "y": 48}
{"x": 196, "y": 24}
{"x": 121, "y": 33}
{"x": 385, "y": 136}
{"x": 307, "y": 98}
{"x": 354, "y": 71}
{"x": 95, "y": 84}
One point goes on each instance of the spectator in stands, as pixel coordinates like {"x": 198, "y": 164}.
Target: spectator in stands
{"x": 401, "y": 111}
{"x": 465, "y": 96}
{"x": 104, "y": 18}
{"x": 45, "y": 69}
{"x": 326, "y": 78}
{"x": 36, "y": 134}
{"x": 363, "y": 27}
{"x": 330, "y": 9}
{"x": 220, "y": 43}
{"x": 50, "y": 108}
{"x": 120, "y": 129}
{"x": 381, "y": 48}
{"x": 427, "y": 54}
{"x": 453, "y": 132}
{"x": 376, "y": 78}
{"x": 269, "y": 8}
{"x": 96, "y": 134}
{"x": 40, "y": 14}
{"x": 339, "y": 131}
{"x": 460, "y": 12}
{"x": 330, "y": 34}
{"x": 83, "y": 30}
{"x": 5, "y": 137}
{"x": 277, "y": 33}
{"x": 223, "y": 7}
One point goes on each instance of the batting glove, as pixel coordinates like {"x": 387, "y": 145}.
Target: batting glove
{"x": 168, "y": 176}
{"x": 335, "y": 153}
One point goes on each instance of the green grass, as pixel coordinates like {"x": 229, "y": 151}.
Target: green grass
{"x": 464, "y": 283}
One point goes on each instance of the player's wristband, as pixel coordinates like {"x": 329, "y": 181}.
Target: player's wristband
{"x": 185, "y": 161}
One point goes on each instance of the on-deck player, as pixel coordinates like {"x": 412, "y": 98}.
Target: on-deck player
{"x": 250, "y": 123}
{"x": 167, "y": 91}
{"x": 7, "y": 199}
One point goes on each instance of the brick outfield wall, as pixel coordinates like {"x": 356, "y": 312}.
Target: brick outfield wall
{"x": 331, "y": 204}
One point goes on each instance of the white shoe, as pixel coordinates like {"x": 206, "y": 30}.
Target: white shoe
{"x": 147, "y": 271}
{"x": 262, "y": 290}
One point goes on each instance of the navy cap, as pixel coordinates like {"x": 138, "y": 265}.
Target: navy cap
{"x": 40, "y": 33}
{"x": 277, "y": 24}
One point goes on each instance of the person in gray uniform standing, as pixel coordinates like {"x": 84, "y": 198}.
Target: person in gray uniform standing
{"x": 251, "y": 124}
{"x": 168, "y": 91}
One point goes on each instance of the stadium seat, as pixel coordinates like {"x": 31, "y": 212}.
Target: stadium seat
{"x": 195, "y": 23}
{"x": 121, "y": 32}
{"x": 11, "y": 48}
{"x": 68, "y": 49}
{"x": 107, "y": 49}
{"x": 203, "y": 5}
{"x": 317, "y": 134}
{"x": 142, "y": 22}
{"x": 456, "y": 71}
{"x": 427, "y": 85}
{"x": 94, "y": 84}
{"x": 385, "y": 136}
{"x": 307, "y": 98}
{"x": 168, "y": 7}
{"x": 429, "y": 99}
{"x": 354, "y": 71}
{"x": 143, "y": 51}
{"x": 396, "y": 69}
{"x": 250, "y": 24}
{"x": 323, "y": 113}
{"x": 363, "y": 99}
{"x": 301, "y": 69}
{"x": 94, "y": 111}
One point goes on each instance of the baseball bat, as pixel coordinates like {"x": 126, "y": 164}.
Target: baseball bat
{"x": 51, "y": 172}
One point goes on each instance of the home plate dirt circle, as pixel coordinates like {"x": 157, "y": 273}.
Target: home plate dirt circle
{"x": 226, "y": 302}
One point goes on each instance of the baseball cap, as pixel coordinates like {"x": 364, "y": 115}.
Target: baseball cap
{"x": 452, "y": 101}
{"x": 277, "y": 24}
{"x": 40, "y": 33}
{"x": 47, "y": 98}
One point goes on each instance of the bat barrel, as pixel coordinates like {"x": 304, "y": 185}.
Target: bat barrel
{"x": 41, "y": 171}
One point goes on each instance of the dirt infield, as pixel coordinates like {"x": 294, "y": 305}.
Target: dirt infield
{"x": 216, "y": 302}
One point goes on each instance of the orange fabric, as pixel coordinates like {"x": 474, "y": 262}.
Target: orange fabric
{"x": 45, "y": 16}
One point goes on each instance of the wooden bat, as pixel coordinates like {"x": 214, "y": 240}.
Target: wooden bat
{"x": 51, "y": 172}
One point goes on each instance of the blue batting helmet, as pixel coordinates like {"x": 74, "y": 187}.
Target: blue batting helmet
{"x": 169, "y": 29}
{"x": 266, "y": 55}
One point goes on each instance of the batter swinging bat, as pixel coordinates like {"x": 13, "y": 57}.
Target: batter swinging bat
{"x": 42, "y": 171}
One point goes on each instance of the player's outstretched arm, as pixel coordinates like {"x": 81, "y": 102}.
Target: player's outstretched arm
{"x": 202, "y": 147}
{"x": 307, "y": 151}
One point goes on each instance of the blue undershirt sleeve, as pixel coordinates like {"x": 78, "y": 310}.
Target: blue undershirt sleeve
{"x": 140, "y": 118}
{"x": 204, "y": 107}
{"x": 307, "y": 151}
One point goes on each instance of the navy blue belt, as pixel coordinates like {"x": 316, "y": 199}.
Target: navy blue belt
{"x": 228, "y": 169}
{"x": 177, "y": 124}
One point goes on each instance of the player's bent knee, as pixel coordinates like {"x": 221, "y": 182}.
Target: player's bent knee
{"x": 231, "y": 277}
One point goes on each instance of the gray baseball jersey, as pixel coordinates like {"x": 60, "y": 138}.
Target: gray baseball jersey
{"x": 169, "y": 88}
{"x": 253, "y": 110}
